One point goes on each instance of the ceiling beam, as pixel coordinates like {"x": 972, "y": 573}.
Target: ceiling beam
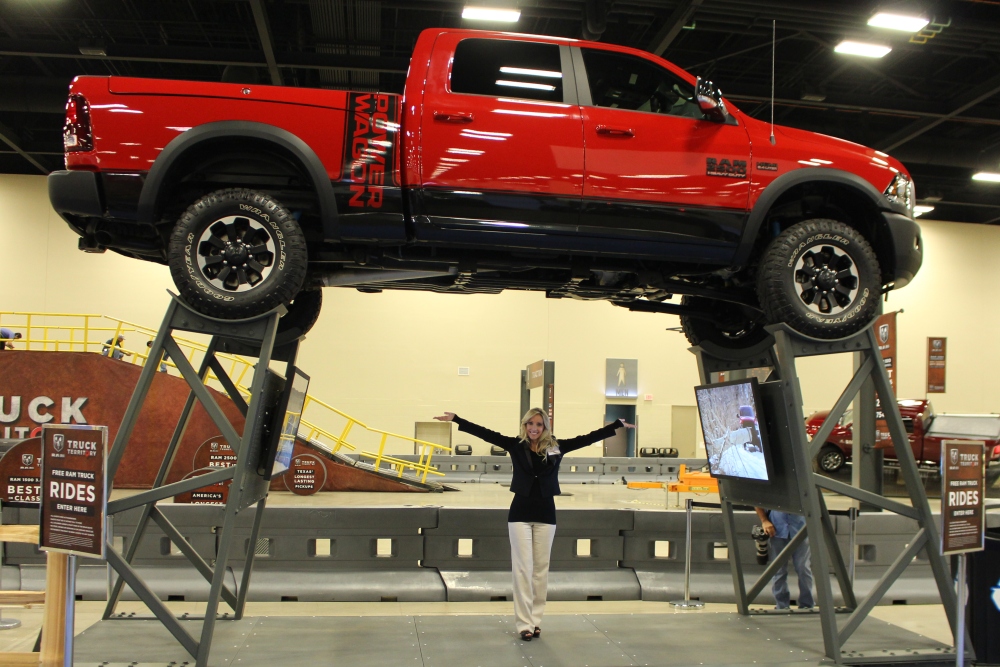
{"x": 673, "y": 26}
{"x": 202, "y": 56}
{"x": 9, "y": 137}
{"x": 870, "y": 68}
{"x": 978, "y": 94}
{"x": 266, "y": 43}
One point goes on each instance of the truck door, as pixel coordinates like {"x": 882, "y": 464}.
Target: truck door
{"x": 656, "y": 169}
{"x": 501, "y": 142}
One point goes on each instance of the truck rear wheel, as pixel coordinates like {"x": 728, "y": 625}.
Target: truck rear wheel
{"x": 237, "y": 253}
{"x": 821, "y": 277}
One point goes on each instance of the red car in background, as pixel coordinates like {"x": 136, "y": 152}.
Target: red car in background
{"x": 926, "y": 432}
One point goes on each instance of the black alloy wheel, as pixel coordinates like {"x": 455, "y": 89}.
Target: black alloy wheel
{"x": 237, "y": 253}
{"x": 821, "y": 277}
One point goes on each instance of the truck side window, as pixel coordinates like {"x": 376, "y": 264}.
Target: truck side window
{"x": 622, "y": 81}
{"x": 508, "y": 68}
{"x": 908, "y": 424}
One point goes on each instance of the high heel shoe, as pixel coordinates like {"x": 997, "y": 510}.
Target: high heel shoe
{"x": 537, "y": 633}
{"x": 526, "y": 635}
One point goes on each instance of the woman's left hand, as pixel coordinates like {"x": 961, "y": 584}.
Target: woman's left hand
{"x": 626, "y": 424}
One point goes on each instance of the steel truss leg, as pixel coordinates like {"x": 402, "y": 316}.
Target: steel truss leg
{"x": 869, "y": 373}
{"x": 247, "y": 488}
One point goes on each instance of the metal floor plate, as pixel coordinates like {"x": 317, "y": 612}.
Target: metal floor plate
{"x": 582, "y": 640}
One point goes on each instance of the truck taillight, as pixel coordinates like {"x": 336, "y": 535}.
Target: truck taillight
{"x": 77, "y": 132}
{"x": 996, "y": 452}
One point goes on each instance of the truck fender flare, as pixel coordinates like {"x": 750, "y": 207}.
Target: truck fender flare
{"x": 149, "y": 199}
{"x": 789, "y": 180}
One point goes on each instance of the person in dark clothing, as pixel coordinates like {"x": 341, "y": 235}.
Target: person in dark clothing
{"x": 531, "y": 521}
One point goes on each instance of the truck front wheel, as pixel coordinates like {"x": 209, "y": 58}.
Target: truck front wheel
{"x": 237, "y": 253}
{"x": 821, "y": 277}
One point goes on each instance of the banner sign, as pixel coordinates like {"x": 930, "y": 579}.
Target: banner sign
{"x": 621, "y": 378}
{"x": 536, "y": 374}
{"x": 74, "y": 494}
{"x": 20, "y": 474}
{"x": 885, "y": 334}
{"x": 308, "y": 475}
{"x": 936, "y": 353}
{"x": 213, "y": 453}
{"x": 962, "y": 490}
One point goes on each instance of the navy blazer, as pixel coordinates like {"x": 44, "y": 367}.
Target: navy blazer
{"x": 520, "y": 454}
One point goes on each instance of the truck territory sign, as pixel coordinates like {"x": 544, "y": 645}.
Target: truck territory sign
{"x": 74, "y": 489}
{"x": 961, "y": 497}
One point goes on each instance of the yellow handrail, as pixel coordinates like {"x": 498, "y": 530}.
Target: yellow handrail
{"x": 86, "y": 332}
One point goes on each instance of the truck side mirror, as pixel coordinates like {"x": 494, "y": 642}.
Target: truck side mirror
{"x": 710, "y": 101}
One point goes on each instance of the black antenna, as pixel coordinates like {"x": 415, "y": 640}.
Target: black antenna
{"x": 774, "y": 45}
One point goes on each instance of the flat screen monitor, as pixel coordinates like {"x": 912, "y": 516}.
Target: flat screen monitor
{"x": 278, "y": 455}
{"x": 735, "y": 436}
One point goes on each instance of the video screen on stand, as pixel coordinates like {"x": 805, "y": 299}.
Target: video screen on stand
{"x": 279, "y": 450}
{"x": 735, "y": 436}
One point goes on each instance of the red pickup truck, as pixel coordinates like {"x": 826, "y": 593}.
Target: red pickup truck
{"x": 926, "y": 432}
{"x": 584, "y": 170}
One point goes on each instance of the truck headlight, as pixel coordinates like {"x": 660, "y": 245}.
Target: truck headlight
{"x": 901, "y": 191}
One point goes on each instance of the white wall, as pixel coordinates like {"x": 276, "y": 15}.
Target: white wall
{"x": 392, "y": 359}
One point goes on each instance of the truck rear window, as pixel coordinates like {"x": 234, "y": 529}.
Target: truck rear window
{"x": 508, "y": 68}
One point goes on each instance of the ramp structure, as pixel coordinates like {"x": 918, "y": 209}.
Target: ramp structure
{"x": 796, "y": 488}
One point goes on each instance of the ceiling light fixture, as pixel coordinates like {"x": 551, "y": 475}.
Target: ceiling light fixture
{"x": 850, "y": 48}
{"x": 490, "y": 14}
{"x": 919, "y": 210}
{"x": 898, "y": 22}
{"x": 988, "y": 176}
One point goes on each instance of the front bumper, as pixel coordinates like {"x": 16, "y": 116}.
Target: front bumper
{"x": 907, "y": 245}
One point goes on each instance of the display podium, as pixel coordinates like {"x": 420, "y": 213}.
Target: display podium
{"x": 798, "y": 489}
{"x": 253, "y": 337}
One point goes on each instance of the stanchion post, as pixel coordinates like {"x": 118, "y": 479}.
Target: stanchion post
{"x": 687, "y": 602}
{"x": 852, "y": 544}
{"x": 53, "y": 638}
{"x": 960, "y": 626}
{"x": 70, "y": 611}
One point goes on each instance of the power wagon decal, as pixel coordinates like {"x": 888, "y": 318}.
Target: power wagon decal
{"x": 370, "y": 148}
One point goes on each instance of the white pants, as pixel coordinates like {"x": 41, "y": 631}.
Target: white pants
{"x": 530, "y": 548}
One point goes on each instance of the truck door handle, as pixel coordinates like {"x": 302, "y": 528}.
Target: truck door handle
{"x": 615, "y": 131}
{"x": 455, "y": 117}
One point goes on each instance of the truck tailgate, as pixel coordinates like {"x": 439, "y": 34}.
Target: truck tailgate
{"x": 969, "y": 427}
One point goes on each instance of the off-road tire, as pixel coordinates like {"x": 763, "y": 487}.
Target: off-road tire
{"x": 743, "y": 332}
{"x": 302, "y": 314}
{"x": 830, "y": 459}
{"x": 263, "y": 223}
{"x": 820, "y": 277}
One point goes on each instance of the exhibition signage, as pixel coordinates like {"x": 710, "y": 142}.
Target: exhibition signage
{"x": 885, "y": 334}
{"x": 536, "y": 374}
{"x": 936, "y": 355}
{"x": 306, "y": 476}
{"x": 213, "y": 453}
{"x": 20, "y": 474}
{"x": 962, "y": 487}
{"x": 73, "y": 499}
{"x": 621, "y": 378}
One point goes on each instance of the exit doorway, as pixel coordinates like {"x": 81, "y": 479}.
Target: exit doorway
{"x": 622, "y": 443}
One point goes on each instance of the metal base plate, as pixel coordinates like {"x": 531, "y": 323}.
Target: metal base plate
{"x": 462, "y": 640}
{"x": 9, "y": 623}
{"x": 687, "y": 604}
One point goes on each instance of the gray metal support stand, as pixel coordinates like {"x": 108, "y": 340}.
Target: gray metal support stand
{"x": 796, "y": 488}
{"x": 252, "y": 337}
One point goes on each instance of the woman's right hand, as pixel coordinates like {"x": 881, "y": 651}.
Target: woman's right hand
{"x": 446, "y": 417}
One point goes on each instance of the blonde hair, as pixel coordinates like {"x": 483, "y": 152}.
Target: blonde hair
{"x": 545, "y": 440}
